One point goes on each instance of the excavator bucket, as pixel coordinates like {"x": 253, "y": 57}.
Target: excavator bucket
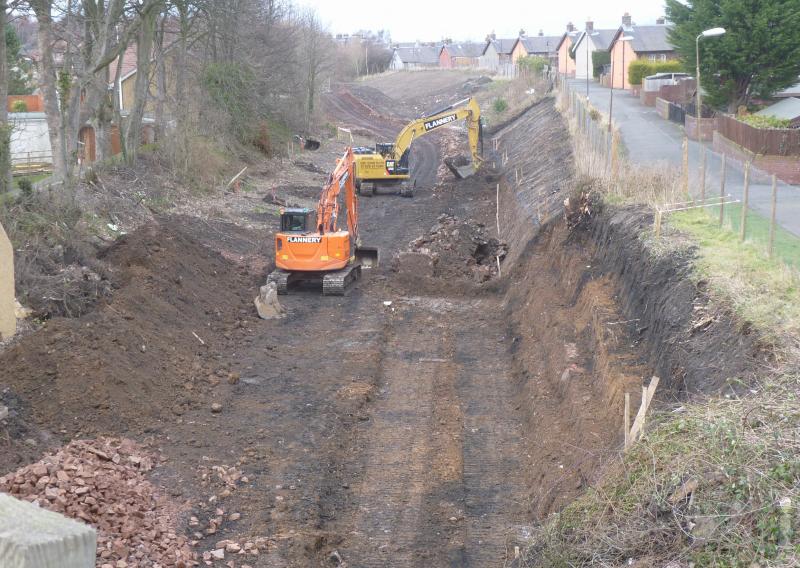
{"x": 367, "y": 256}
{"x": 461, "y": 167}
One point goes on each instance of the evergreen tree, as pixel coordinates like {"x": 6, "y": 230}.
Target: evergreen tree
{"x": 18, "y": 68}
{"x": 758, "y": 56}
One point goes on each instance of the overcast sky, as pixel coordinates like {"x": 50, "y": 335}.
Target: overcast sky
{"x": 431, "y": 20}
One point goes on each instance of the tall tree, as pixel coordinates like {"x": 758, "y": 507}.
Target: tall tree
{"x": 759, "y": 54}
{"x": 5, "y": 128}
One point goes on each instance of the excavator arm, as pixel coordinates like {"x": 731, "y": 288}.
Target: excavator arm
{"x": 342, "y": 178}
{"x": 466, "y": 109}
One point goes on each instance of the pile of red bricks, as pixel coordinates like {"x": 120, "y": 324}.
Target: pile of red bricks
{"x": 102, "y": 483}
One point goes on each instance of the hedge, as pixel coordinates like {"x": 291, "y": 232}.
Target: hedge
{"x": 640, "y": 69}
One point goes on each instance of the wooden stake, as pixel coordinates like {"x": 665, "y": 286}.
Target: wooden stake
{"x": 627, "y": 419}
{"x": 703, "y": 157}
{"x": 771, "y": 248}
{"x": 647, "y": 397}
{"x": 498, "y": 210}
{"x": 722, "y": 176}
{"x": 745, "y": 201}
{"x": 685, "y": 165}
{"x": 658, "y": 223}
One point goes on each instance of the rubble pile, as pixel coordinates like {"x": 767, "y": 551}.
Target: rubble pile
{"x": 102, "y": 483}
{"x": 460, "y": 248}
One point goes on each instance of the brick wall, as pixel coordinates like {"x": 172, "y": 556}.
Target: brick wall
{"x": 787, "y": 168}
{"x": 662, "y": 107}
{"x": 648, "y": 98}
{"x": 707, "y": 127}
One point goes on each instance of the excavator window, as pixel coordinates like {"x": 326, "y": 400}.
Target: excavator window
{"x": 294, "y": 222}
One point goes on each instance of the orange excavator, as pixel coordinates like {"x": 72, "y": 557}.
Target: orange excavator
{"x": 327, "y": 254}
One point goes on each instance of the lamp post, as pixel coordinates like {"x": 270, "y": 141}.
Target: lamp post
{"x": 586, "y": 37}
{"x": 713, "y": 32}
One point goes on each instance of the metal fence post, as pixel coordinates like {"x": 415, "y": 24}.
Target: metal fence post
{"x": 771, "y": 248}
{"x": 745, "y": 201}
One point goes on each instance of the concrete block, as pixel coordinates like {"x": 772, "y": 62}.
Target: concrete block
{"x": 31, "y": 537}
{"x": 8, "y": 319}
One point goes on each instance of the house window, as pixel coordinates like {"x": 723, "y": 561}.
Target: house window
{"x": 652, "y": 57}
{"x": 663, "y": 57}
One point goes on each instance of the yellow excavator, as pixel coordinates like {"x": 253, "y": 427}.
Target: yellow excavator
{"x": 388, "y": 164}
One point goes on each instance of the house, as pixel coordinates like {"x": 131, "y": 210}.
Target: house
{"x": 414, "y": 58}
{"x": 566, "y": 64}
{"x": 538, "y": 46}
{"x": 648, "y": 42}
{"x": 786, "y": 109}
{"x": 497, "y": 54}
{"x": 460, "y": 55}
{"x": 589, "y": 41}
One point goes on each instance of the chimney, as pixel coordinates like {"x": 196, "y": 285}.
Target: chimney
{"x": 541, "y": 33}
{"x": 661, "y": 21}
{"x": 627, "y": 21}
{"x": 589, "y": 26}
{"x": 570, "y": 27}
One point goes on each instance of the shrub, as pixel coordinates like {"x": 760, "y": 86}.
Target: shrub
{"x": 532, "y": 63}
{"x": 599, "y": 60}
{"x": 500, "y": 105}
{"x": 640, "y": 69}
{"x": 229, "y": 86}
{"x": 19, "y": 106}
{"x": 26, "y": 187}
{"x": 761, "y": 121}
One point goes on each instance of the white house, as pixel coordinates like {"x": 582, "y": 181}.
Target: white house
{"x": 589, "y": 41}
{"x": 414, "y": 58}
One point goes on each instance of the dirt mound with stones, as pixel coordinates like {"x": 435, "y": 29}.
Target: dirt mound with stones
{"x": 453, "y": 249}
{"x": 150, "y": 353}
{"x": 103, "y": 483}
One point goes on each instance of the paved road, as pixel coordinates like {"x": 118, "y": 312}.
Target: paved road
{"x": 650, "y": 140}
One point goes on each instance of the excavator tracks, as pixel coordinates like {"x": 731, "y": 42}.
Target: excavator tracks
{"x": 336, "y": 283}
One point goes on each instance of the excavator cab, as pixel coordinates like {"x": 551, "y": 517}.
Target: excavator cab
{"x": 295, "y": 220}
{"x": 384, "y": 148}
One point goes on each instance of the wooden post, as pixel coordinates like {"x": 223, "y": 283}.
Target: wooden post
{"x": 745, "y": 201}
{"x": 498, "y": 211}
{"x": 647, "y": 397}
{"x": 722, "y": 176}
{"x": 627, "y": 419}
{"x": 686, "y": 166}
{"x": 658, "y": 222}
{"x": 771, "y": 248}
{"x": 703, "y": 157}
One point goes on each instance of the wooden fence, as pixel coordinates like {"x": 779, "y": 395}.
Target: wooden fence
{"x": 33, "y": 103}
{"x": 774, "y": 142}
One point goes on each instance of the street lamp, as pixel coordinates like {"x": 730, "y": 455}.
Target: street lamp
{"x": 587, "y": 35}
{"x": 713, "y": 32}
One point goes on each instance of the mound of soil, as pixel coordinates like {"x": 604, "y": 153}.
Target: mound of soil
{"x": 149, "y": 353}
{"x": 457, "y": 249}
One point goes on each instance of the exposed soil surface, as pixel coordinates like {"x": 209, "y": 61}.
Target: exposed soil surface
{"x": 426, "y": 419}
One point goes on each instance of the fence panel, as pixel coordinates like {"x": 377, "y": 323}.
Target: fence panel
{"x": 776, "y": 142}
